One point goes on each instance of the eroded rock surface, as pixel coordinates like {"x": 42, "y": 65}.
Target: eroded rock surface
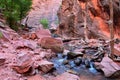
{"x": 71, "y": 16}
{"x": 67, "y": 76}
{"x": 56, "y": 45}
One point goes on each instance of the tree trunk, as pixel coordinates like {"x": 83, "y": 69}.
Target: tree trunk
{"x": 85, "y": 22}
{"x": 111, "y": 29}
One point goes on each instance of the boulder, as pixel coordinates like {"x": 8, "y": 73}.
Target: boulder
{"x": 65, "y": 62}
{"x": 23, "y": 64}
{"x": 72, "y": 55}
{"x": 56, "y": 45}
{"x": 67, "y": 76}
{"x": 43, "y": 33}
{"x": 109, "y": 67}
{"x": 78, "y": 61}
{"x": 45, "y": 66}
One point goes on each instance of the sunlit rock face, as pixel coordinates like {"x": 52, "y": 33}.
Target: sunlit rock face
{"x": 42, "y": 9}
{"x": 71, "y": 16}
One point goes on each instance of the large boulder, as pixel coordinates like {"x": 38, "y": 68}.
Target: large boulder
{"x": 23, "y": 65}
{"x": 110, "y": 68}
{"x": 43, "y": 33}
{"x": 56, "y": 45}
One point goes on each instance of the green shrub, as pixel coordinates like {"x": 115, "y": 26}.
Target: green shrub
{"x": 44, "y": 22}
{"x": 1, "y": 35}
{"x": 14, "y": 11}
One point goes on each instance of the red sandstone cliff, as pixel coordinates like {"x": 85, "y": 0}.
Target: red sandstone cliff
{"x": 71, "y": 15}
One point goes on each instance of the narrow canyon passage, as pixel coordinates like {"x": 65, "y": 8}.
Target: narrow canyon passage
{"x": 50, "y": 44}
{"x": 43, "y": 9}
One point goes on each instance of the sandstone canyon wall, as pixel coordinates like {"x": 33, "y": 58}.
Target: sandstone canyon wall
{"x": 42, "y": 9}
{"x": 71, "y": 16}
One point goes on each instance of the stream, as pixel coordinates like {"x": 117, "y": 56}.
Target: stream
{"x": 80, "y": 66}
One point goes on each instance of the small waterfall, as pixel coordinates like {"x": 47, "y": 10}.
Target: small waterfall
{"x": 92, "y": 69}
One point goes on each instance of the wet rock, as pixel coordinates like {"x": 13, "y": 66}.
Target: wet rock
{"x": 67, "y": 76}
{"x": 65, "y": 52}
{"x": 72, "y": 72}
{"x": 97, "y": 66}
{"x": 55, "y": 45}
{"x": 68, "y": 66}
{"x": 45, "y": 66}
{"x": 36, "y": 77}
{"x": 72, "y": 55}
{"x": 65, "y": 62}
{"x": 87, "y": 63}
{"x": 78, "y": 53}
{"x": 78, "y": 61}
{"x": 109, "y": 67}
{"x": 72, "y": 64}
{"x": 59, "y": 55}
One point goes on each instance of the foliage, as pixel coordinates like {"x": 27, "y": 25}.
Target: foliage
{"x": 15, "y": 10}
{"x": 1, "y": 35}
{"x": 44, "y": 22}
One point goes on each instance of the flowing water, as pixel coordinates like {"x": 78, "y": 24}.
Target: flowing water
{"x": 85, "y": 73}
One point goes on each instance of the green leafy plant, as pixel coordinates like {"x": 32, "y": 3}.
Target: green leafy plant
{"x": 44, "y": 22}
{"x": 14, "y": 11}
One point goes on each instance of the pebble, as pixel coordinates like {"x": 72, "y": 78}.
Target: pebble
{"x": 65, "y": 62}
